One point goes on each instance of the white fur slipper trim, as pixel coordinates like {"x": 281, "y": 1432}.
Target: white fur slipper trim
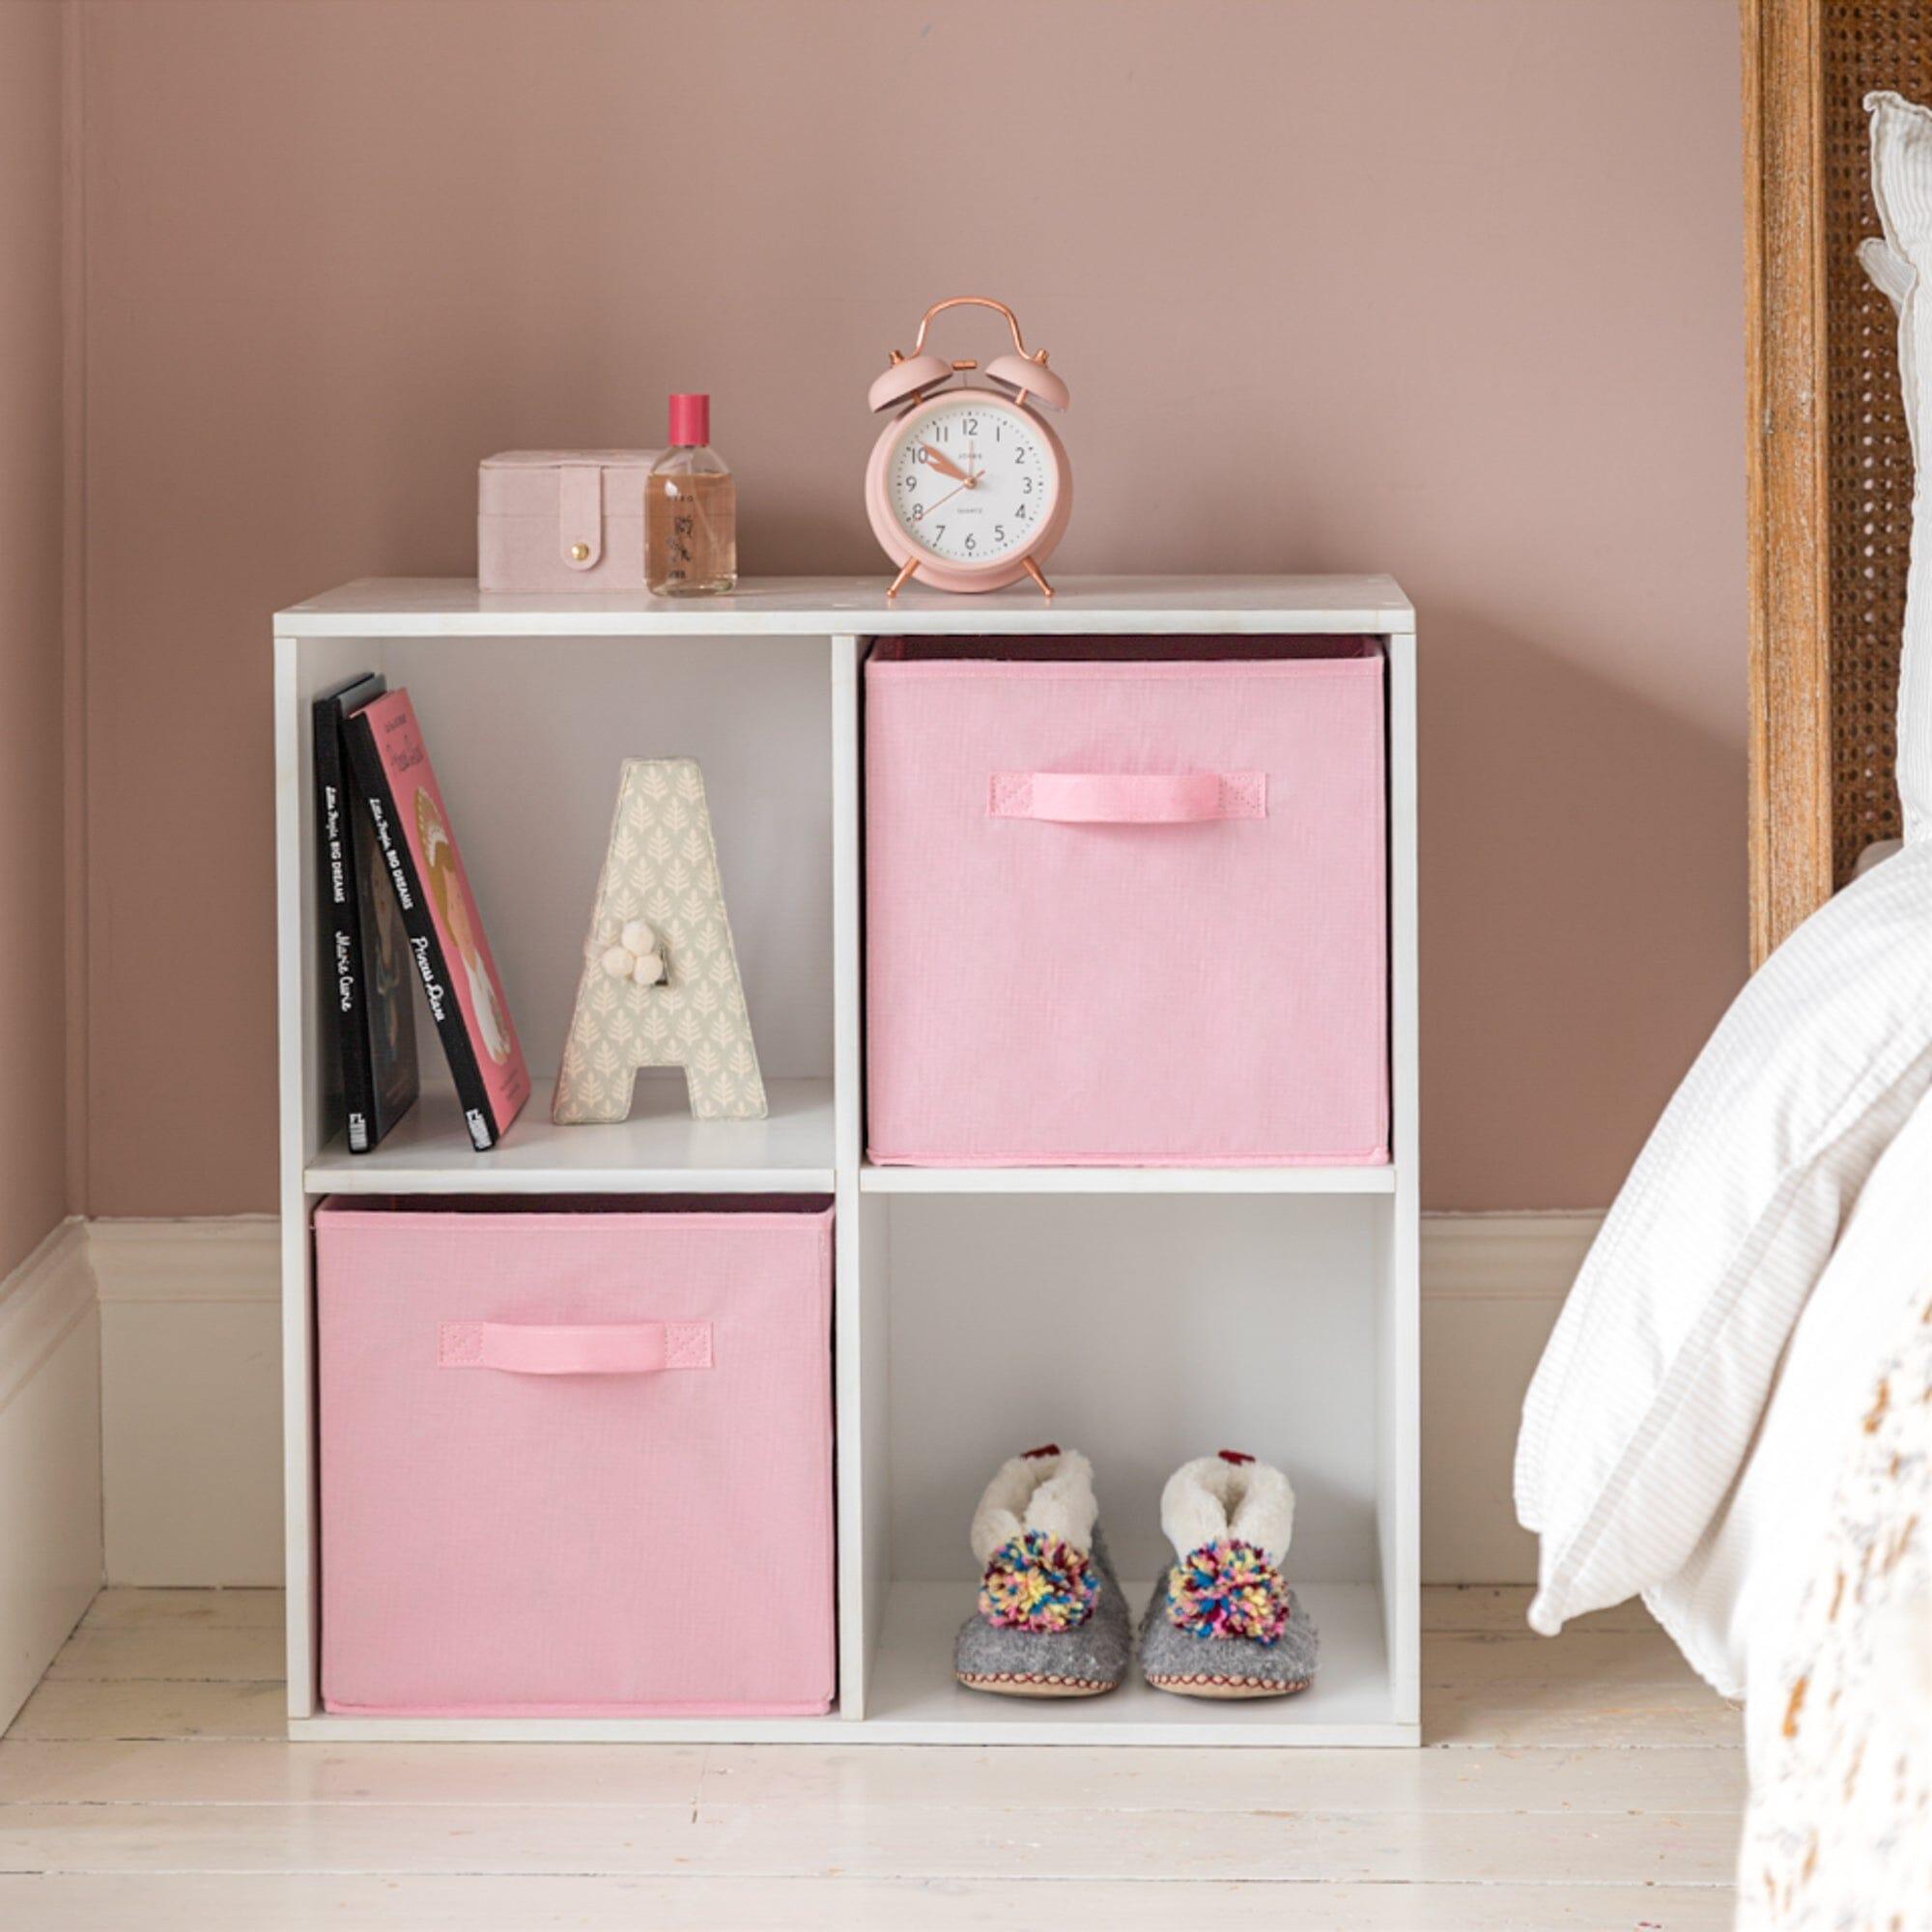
{"x": 1210, "y": 1498}
{"x": 1052, "y": 1493}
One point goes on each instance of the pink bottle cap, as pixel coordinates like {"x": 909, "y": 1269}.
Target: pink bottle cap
{"x": 691, "y": 419}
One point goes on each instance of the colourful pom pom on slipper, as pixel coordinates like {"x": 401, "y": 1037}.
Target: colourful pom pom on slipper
{"x": 1223, "y": 1622}
{"x": 1036, "y": 1583}
{"x": 1051, "y": 1620}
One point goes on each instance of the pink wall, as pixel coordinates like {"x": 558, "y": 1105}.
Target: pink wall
{"x": 1469, "y": 271}
{"x": 33, "y": 1073}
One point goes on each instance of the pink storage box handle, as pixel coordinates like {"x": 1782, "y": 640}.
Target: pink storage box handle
{"x": 535, "y": 1348}
{"x": 1127, "y": 798}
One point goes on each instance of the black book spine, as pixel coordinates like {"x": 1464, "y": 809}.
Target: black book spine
{"x": 341, "y": 927}
{"x": 373, "y": 783}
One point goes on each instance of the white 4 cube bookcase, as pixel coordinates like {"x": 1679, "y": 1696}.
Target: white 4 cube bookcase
{"x": 1146, "y": 1314}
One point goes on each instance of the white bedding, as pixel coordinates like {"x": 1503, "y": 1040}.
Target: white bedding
{"x": 1731, "y": 1607}
{"x": 1838, "y": 1598}
{"x": 1901, "y": 266}
{"x": 1654, "y": 1386}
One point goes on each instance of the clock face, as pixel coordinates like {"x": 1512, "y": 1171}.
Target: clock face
{"x": 971, "y": 479}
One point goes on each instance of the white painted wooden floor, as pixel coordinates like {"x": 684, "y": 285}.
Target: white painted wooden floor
{"x": 1586, "y": 1783}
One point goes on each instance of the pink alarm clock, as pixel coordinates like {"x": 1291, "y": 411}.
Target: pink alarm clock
{"x": 968, "y": 489}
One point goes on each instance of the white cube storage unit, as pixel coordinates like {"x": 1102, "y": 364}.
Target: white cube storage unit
{"x": 1146, "y": 1314}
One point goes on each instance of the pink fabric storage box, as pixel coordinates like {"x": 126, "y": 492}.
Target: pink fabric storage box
{"x": 576, "y": 1456}
{"x": 567, "y": 520}
{"x": 1126, "y": 902}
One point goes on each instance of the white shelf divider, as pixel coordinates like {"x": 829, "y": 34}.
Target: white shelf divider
{"x": 915, "y": 1699}
{"x": 1379, "y": 1179}
{"x": 660, "y": 1149}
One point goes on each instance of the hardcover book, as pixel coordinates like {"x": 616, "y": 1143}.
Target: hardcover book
{"x": 445, "y": 934}
{"x": 372, "y": 1023}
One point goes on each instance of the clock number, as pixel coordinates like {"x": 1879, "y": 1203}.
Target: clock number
{"x": 969, "y": 543}
{"x": 999, "y": 533}
{"x": 918, "y": 511}
{"x": 922, "y": 454}
{"x": 1020, "y": 513}
{"x": 1026, "y": 486}
{"x": 943, "y": 433}
{"x": 1019, "y": 455}
{"x": 939, "y": 533}
{"x": 971, "y": 425}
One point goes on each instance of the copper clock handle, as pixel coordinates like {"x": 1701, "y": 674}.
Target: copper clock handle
{"x": 970, "y": 302}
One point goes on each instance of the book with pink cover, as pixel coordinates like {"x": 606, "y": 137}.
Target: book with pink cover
{"x": 419, "y": 847}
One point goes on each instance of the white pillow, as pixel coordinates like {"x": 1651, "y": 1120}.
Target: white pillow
{"x": 1643, "y": 1407}
{"x": 1901, "y": 266}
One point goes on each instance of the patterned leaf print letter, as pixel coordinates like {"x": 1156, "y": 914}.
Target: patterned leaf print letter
{"x": 661, "y": 864}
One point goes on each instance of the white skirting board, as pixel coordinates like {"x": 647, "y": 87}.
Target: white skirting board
{"x": 1492, "y": 1286}
{"x": 50, "y": 1559}
{"x": 190, "y": 1375}
{"x": 191, "y": 1400}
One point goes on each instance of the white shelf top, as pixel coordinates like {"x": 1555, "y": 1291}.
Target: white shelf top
{"x": 452, "y": 606}
{"x": 1379, "y": 1179}
{"x": 660, "y": 1149}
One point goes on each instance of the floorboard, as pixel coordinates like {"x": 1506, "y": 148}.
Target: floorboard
{"x": 1590, "y": 1782}
{"x": 298, "y": 1903}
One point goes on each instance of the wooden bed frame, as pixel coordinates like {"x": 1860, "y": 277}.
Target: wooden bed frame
{"x": 1830, "y": 466}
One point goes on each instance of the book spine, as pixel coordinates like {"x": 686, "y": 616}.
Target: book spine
{"x": 342, "y": 937}
{"x": 425, "y": 946}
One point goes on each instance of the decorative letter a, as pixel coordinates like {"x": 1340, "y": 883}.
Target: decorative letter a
{"x": 662, "y": 871}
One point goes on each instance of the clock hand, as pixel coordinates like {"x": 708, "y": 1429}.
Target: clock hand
{"x": 944, "y": 464}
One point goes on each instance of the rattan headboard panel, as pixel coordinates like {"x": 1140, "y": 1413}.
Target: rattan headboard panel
{"x": 1864, "y": 44}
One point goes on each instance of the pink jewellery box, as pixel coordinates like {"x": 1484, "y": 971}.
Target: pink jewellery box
{"x": 1126, "y": 902}
{"x": 576, "y": 1456}
{"x": 562, "y": 519}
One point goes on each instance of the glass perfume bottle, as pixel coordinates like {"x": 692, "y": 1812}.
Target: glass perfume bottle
{"x": 691, "y": 510}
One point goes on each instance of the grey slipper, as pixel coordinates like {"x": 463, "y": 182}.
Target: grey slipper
{"x": 1223, "y": 1622}
{"x": 1052, "y": 1621}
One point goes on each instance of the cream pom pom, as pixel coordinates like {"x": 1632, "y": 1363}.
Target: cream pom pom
{"x": 637, "y": 956}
